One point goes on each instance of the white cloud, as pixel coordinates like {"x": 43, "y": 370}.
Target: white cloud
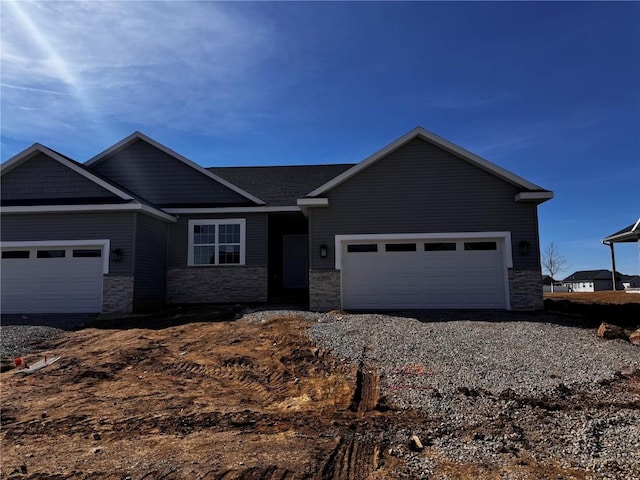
{"x": 81, "y": 65}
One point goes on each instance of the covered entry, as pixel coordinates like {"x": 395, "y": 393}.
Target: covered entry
{"x": 428, "y": 271}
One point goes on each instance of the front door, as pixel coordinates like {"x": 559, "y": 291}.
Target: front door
{"x": 295, "y": 268}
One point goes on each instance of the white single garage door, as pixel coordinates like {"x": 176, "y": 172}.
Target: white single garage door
{"x": 424, "y": 273}
{"x": 52, "y": 279}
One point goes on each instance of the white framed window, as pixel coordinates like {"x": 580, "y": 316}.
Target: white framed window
{"x": 217, "y": 242}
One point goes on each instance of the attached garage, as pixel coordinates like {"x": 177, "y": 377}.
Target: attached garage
{"x": 40, "y": 277}
{"x": 418, "y": 271}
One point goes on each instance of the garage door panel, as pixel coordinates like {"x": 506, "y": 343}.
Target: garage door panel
{"x": 452, "y": 278}
{"x": 52, "y": 285}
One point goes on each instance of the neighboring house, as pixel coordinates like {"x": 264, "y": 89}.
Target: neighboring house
{"x": 422, "y": 223}
{"x": 630, "y": 281}
{"x": 548, "y": 282}
{"x": 591, "y": 281}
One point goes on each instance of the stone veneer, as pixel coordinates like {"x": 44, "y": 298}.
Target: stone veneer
{"x": 525, "y": 289}
{"x": 324, "y": 290}
{"x": 217, "y": 284}
{"x": 117, "y": 294}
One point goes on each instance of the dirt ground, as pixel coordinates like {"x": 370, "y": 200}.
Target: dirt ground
{"x": 604, "y": 297}
{"x": 213, "y": 400}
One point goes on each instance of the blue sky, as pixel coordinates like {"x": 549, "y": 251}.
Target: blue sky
{"x": 548, "y": 90}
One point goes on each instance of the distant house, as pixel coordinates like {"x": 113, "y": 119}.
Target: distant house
{"x": 630, "y": 281}
{"x": 591, "y": 281}
{"x": 548, "y": 281}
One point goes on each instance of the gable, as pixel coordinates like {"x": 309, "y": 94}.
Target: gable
{"x": 42, "y": 179}
{"x": 420, "y": 171}
{"x": 164, "y": 177}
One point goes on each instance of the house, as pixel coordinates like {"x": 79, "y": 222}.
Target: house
{"x": 630, "y": 234}
{"x": 630, "y": 281}
{"x": 550, "y": 284}
{"x": 421, "y": 223}
{"x": 591, "y": 281}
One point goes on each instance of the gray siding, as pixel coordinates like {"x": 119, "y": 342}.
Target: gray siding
{"x": 117, "y": 227}
{"x": 421, "y": 188}
{"x": 162, "y": 179}
{"x": 151, "y": 260}
{"x": 256, "y": 230}
{"x": 44, "y": 178}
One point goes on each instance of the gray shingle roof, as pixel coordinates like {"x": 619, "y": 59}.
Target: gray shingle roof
{"x": 280, "y": 185}
{"x": 589, "y": 275}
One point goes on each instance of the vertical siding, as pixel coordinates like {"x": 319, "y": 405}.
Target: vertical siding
{"x": 162, "y": 179}
{"x": 151, "y": 259}
{"x": 256, "y": 241}
{"x": 421, "y": 188}
{"x": 117, "y": 227}
{"x": 41, "y": 177}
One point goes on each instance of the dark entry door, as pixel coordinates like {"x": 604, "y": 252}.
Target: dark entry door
{"x": 296, "y": 262}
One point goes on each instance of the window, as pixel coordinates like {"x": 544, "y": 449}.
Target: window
{"x": 359, "y": 248}
{"x": 87, "y": 253}
{"x": 51, "y": 254}
{"x": 16, "y": 254}
{"x": 217, "y": 242}
{"x": 400, "y": 247}
{"x": 439, "y": 247}
{"x": 480, "y": 246}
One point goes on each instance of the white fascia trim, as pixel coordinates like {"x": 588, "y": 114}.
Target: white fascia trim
{"x": 89, "y": 208}
{"x": 438, "y": 141}
{"x": 313, "y": 202}
{"x": 141, "y": 136}
{"x": 104, "y": 244}
{"x": 528, "y": 196}
{"x": 505, "y": 236}
{"x": 232, "y": 210}
{"x": 36, "y": 147}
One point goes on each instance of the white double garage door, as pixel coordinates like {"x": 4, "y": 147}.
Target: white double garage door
{"x": 40, "y": 277}
{"x": 415, "y": 271}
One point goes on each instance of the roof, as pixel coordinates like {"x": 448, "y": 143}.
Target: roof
{"x": 627, "y": 234}
{"x": 280, "y": 185}
{"x": 531, "y": 190}
{"x": 135, "y": 136}
{"x": 548, "y": 280}
{"x": 128, "y": 199}
{"x": 590, "y": 275}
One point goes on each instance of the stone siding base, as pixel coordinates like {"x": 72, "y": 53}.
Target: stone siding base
{"x": 117, "y": 294}
{"x": 324, "y": 290}
{"x": 525, "y": 290}
{"x": 217, "y": 284}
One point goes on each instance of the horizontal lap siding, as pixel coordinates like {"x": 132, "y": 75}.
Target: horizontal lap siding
{"x": 421, "y": 188}
{"x": 161, "y": 179}
{"x": 256, "y": 240}
{"x": 117, "y": 227}
{"x": 151, "y": 258}
{"x": 44, "y": 178}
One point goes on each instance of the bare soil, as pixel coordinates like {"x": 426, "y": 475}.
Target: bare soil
{"x": 222, "y": 400}
{"x": 608, "y": 297}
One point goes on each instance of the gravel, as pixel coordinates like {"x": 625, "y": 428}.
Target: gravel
{"x": 526, "y": 388}
{"x": 19, "y": 340}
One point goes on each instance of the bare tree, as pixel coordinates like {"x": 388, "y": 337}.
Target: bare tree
{"x": 553, "y": 261}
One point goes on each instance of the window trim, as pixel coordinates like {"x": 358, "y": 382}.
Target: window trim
{"x": 217, "y": 221}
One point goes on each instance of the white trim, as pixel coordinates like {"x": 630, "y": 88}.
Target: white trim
{"x": 526, "y": 196}
{"x": 420, "y": 132}
{"x": 88, "y": 208}
{"x": 27, "y": 154}
{"x": 105, "y": 244}
{"x": 140, "y": 136}
{"x": 232, "y": 210}
{"x": 505, "y": 237}
{"x": 217, "y": 221}
{"x": 313, "y": 202}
